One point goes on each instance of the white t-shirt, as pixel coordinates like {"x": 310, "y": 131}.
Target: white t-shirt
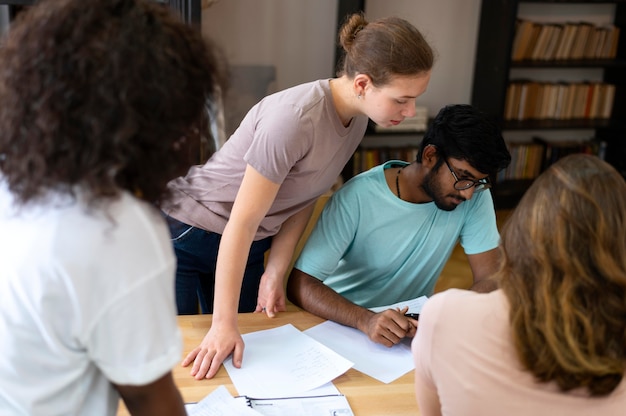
{"x": 87, "y": 299}
{"x": 466, "y": 365}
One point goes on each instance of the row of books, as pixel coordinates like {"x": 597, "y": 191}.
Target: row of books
{"x": 529, "y": 159}
{"x": 527, "y": 99}
{"x": 569, "y": 40}
{"x": 366, "y": 158}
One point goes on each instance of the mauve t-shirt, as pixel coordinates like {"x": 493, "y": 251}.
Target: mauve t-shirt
{"x": 293, "y": 138}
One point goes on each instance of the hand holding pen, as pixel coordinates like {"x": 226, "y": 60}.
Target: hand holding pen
{"x": 391, "y": 326}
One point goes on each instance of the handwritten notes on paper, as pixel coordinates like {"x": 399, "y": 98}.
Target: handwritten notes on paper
{"x": 382, "y": 363}
{"x": 282, "y": 362}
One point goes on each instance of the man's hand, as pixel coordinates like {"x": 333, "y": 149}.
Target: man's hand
{"x": 218, "y": 343}
{"x": 390, "y": 327}
{"x": 271, "y": 299}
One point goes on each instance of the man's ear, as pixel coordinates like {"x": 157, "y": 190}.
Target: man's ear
{"x": 430, "y": 155}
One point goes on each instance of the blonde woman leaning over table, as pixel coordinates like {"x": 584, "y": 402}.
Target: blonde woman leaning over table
{"x": 552, "y": 340}
{"x": 257, "y": 192}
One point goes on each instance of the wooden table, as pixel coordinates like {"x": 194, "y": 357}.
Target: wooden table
{"x": 366, "y": 395}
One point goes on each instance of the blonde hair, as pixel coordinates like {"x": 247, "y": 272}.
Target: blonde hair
{"x": 564, "y": 273}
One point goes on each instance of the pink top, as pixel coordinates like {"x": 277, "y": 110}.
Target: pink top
{"x": 465, "y": 364}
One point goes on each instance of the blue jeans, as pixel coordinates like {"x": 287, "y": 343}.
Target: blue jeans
{"x": 196, "y": 253}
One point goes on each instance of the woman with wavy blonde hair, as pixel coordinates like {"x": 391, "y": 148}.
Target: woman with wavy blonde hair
{"x": 553, "y": 339}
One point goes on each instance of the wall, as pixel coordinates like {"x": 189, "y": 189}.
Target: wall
{"x": 295, "y": 36}
{"x": 451, "y": 27}
{"x": 4, "y": 18}
{"x": 298, "y": 37}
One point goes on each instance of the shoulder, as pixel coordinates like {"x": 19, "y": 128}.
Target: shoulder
{"x": 462, "y": 307}
{"x": 361, "y": 186}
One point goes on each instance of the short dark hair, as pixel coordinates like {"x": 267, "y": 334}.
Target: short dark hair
{"x": 100, "y": 95}
{"x": 461, "y": 131}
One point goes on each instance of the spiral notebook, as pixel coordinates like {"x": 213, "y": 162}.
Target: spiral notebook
{"x": 331, "y": 405}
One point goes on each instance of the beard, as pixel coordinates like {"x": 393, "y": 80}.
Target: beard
{"x": 432, "y": 188}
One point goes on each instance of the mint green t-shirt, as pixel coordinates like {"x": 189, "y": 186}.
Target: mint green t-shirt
{"x": 376, "y": 249}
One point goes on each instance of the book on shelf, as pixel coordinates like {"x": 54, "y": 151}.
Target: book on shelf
{"x": 526, "y": 162}
{"x": 569, "y": 33}
{"x": 529, "y": 159}
{"x": 522, "y": 39}
{"x": 556, "y": 149}
{"x": 367, "y": 158}
{"x": 553, "y": 43}
{"x": 538, "y": 51}
{"x": 563, "y": 40}
{"x": 534, "y": 100}
{"x": 577, "y": 51}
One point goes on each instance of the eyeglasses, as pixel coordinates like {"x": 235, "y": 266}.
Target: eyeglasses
{"x": 464, "y": 183}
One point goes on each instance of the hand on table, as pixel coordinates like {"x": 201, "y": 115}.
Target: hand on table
{"x": 216, "y": 346}
{"x": 390, "y": 327}
{"x": 271, "y": 299}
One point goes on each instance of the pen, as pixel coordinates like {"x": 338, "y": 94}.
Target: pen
{"x": 415, "y": 316}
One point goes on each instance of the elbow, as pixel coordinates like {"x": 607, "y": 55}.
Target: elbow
{"x": 296, "y": 287}
{"x": 291, "y": 289}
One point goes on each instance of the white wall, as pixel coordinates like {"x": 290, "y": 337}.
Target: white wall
{"x": 4, "y": 18}
{"x": 296, "y": 36}
{"x": 451, "y": 27}
{"x": 299, "y": 37}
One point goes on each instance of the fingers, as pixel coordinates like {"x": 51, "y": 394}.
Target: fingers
{"x": 413, "y": 329}
{"x": 190, "y": 357}
{"x": 201, "y": 365}
{"x": 272, "y": 306}
{"x": 238, "y": 355}
{"x": 391, "y": 326}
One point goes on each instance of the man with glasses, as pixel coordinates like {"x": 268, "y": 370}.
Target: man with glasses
{"x": 385, "y": 236}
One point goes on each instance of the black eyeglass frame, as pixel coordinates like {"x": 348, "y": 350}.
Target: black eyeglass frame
{"x": 465, "y": 183}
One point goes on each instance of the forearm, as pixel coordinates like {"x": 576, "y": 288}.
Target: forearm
{"x": 312, "y": 295}
{"x": 231, "y": 263}
{"x": 484, "y": 266}
{"x": 285, "y": 241}
{"x": 158, "y": 398}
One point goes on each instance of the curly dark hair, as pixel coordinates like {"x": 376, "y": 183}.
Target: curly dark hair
{"x": 103, "y": 95}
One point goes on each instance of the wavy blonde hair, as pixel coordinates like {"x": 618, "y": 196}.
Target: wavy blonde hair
{"x": 564, "y": 273}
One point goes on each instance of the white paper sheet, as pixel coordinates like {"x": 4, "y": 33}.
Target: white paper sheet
{"x": 283, "y": 362}
{"x": 377, "y": 361}
{"x": 415, "y": 305}
{"x": 220, "y": 403}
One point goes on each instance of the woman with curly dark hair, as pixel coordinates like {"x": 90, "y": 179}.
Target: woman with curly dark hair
{"x": 97, "y": 105}
{"x": 552, "y": 341}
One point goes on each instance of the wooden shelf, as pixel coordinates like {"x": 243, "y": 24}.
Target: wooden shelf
{"x": 492, "y": 75}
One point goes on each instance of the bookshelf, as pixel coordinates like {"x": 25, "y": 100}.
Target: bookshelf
{"x": 501, "y": 62}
